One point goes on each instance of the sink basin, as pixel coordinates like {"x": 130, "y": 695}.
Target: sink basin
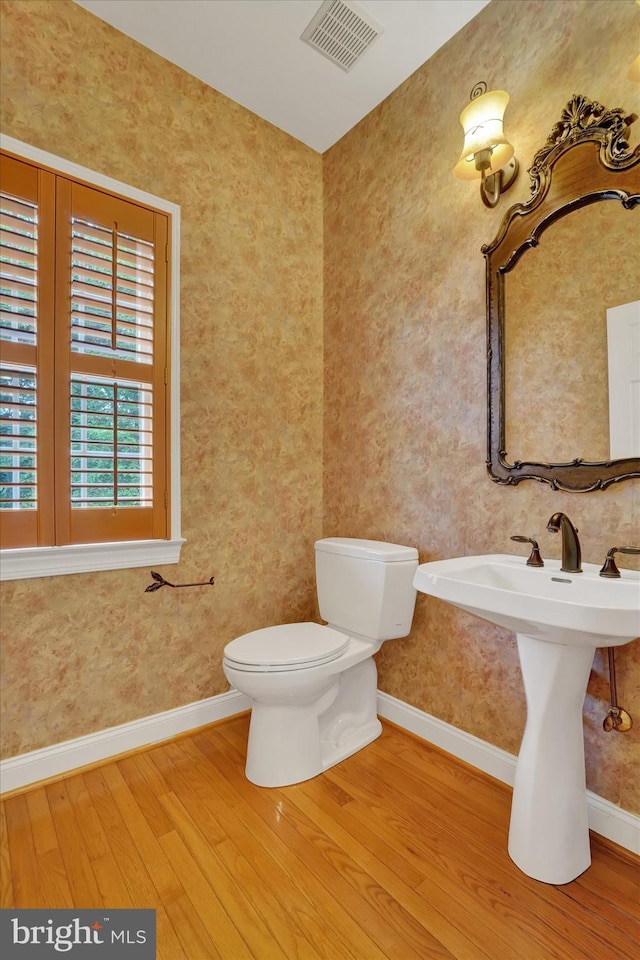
{"x": 582, "y": 609}
{"x": 559, "y": 619}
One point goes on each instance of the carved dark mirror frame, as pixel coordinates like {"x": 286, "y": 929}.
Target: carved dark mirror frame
{"x": 586, "y": 159}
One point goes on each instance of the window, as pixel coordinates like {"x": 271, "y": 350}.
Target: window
{"x": 85, "y": 393}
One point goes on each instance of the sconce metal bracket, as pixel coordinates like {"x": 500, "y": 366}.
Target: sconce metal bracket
{"x": 492, "y": 187}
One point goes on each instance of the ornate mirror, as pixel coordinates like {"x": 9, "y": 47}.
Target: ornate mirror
{"x": 563, "y": 311}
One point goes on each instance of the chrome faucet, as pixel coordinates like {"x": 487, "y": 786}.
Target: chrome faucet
{"x": 571, "y": 554}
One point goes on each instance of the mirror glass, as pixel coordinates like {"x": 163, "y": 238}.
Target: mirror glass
{"x": 556, "y": 299}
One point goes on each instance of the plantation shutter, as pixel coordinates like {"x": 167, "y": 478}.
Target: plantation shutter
{"x": 110, "y": 368}
{"x": 83, "y": 363}
{"x": 26, "y": 348}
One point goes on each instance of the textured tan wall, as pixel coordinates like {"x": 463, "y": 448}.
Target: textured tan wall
{"x": 405, "y": 358}
{"x": 86, "y": 652}
{"x": 405, "y": 369}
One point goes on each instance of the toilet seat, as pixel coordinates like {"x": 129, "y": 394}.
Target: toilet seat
{"x": 290, "y": 646}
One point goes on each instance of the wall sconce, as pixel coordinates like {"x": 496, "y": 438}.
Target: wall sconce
{"x": 486, "y": 154}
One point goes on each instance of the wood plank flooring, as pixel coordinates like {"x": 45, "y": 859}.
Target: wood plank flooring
{"x": 398, "y": 853}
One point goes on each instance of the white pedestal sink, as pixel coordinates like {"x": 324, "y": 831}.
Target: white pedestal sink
{"x": 559, "y": 620}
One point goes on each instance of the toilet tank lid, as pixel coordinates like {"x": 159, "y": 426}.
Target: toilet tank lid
{"x": 367, "y": 549}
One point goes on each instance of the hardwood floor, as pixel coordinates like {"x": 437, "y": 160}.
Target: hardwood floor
{"x": 398, "y": 853}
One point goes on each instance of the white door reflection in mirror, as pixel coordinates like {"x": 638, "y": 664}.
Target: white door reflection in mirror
{"x": 623, "y": 348}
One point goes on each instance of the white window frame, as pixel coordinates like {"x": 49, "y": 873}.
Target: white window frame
{"x": 23, "y": 563}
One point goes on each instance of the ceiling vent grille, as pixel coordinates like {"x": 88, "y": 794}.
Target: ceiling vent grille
{"x": 341, "y": 31}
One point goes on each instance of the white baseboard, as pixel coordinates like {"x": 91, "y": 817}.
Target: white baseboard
{"x": 605, "y": 818}
{"x": 63, "y": 757}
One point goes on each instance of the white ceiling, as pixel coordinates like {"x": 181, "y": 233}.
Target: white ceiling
{"x": 250, "y": 50}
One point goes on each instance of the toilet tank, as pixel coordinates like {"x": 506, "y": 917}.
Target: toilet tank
{"x": 366, "y": 586}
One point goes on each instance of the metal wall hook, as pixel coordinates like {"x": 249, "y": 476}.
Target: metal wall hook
{"x": 161, "y": 582}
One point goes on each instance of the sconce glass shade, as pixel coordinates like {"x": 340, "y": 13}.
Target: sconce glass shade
{"x": 482, "y": 121}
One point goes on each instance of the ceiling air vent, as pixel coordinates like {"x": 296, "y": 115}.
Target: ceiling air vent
{"x": 341, "y": 31}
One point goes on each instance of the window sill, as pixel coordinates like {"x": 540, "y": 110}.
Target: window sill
{"x": 28, "y": 562}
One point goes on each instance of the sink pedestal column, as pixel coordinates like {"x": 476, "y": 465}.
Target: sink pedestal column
{"x": 549, "y": 832}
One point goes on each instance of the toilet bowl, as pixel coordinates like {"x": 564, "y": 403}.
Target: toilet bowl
{"x": 314, "y": 687}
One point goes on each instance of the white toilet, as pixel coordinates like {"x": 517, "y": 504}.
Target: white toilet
{"x": 314, "y": 688}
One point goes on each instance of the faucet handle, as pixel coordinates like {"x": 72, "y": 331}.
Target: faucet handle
{"x": 535, "y": 560}
{"x": 609, "y": 568}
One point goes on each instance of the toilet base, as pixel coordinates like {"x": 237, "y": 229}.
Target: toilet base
{"x": 293, "y": 741}
{"x": 297, "y": 768}
{"x": 333, "y": 753}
